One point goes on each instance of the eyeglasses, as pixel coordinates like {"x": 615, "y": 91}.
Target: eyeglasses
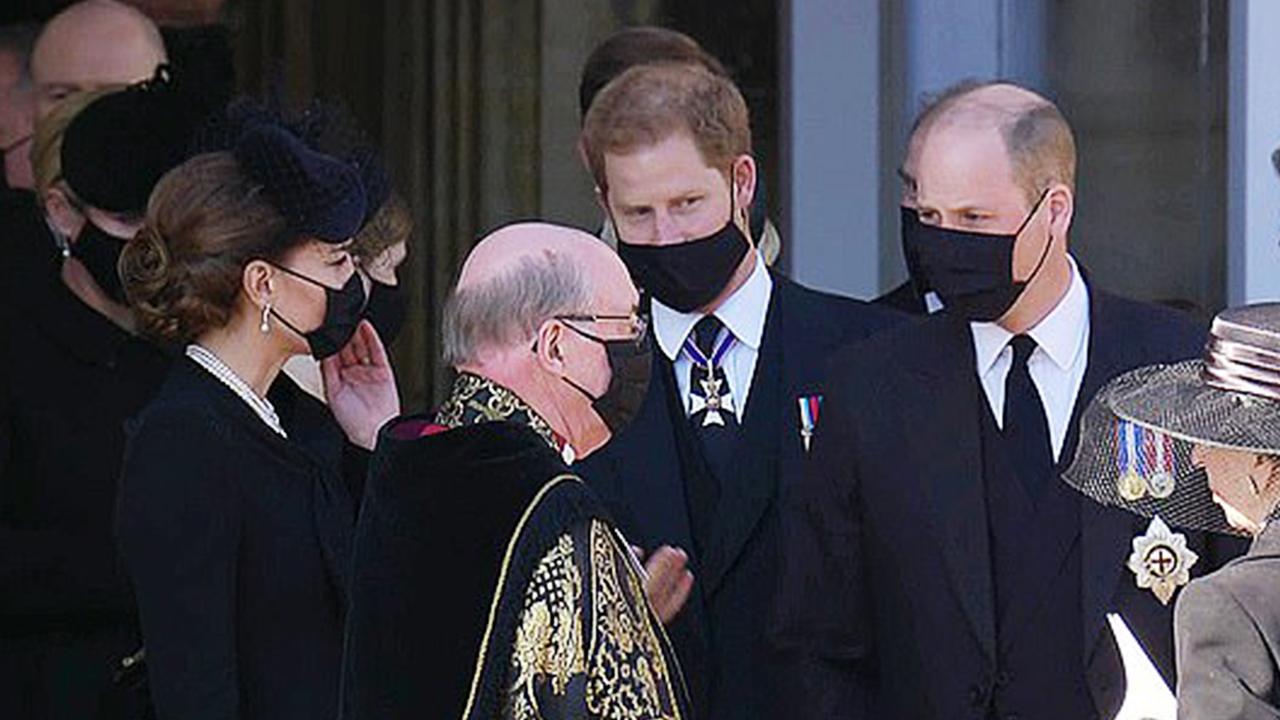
{"x": 639, "y": 325}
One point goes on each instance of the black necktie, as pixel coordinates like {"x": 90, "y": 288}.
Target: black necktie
{"x": 1025, "y": 425}
{"x": 714, "y": 425}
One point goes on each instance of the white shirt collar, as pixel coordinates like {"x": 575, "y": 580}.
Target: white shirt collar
{"x": 1061, "y": 334}
{"x": 743, "y": 313}
{"x": 932, "y": 303}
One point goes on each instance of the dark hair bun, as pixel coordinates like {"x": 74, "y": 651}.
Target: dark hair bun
{"x": 145, "y": 269}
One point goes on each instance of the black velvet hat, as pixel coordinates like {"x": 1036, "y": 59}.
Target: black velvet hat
{"x": 117, "y": 148}
{"x": 327, "y": 126}
{"x": 318, "y": 195}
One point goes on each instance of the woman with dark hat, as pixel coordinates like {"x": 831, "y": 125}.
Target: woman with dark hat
{"x": 377, "y": 249}
{"x": 236, "y": 539}
{"x": 1196, "y": 445}
{"x": 72, "y": 373}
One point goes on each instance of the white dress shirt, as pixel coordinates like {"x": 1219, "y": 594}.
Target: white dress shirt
{"x": 1056, "y": 366}
{"x": 743, "y": 313}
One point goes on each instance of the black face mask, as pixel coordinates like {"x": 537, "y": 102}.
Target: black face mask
{"x": 343, "y": 310}
{"x": 100, "y": 255}
{"x": 972, "y": 272}
{"x": 687, "y": 276}
{"x": 910, "y": 232}
{"x": 387, "y": 308}
{"x": 629, "y": 367}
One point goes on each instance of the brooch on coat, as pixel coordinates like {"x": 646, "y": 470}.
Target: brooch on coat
{"x": 1161, "y": 561}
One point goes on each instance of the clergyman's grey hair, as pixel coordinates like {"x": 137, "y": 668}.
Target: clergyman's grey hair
{"x": 512, "y": 306}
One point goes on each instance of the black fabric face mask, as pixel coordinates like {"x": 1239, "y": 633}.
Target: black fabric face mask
{"x": 689, "y": 275}
{"x": 387, "y": 309}
{"x": 972, "y": 272}
{"x": 910, "y": 232}
{"x": 343, "y": 310}
{"x": 630, "y": 362}
{"x": 99, "y": 252}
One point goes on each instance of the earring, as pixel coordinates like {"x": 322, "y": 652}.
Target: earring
{"x": 265, "y": 327}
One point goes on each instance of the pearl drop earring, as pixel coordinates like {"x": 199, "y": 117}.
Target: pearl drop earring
{"x": 265, "y": 327}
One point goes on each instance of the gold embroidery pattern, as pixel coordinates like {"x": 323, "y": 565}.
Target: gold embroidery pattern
{"x": 628, "y": 677}
{"x": 474, "y": 400}
{"x": 549, "y": 639}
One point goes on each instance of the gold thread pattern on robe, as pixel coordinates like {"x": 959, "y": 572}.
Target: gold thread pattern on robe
{"x": 623, "y": 673}
{"x": 628, "y": 677}
{"x": 474, "y": 399}
{"x": 548, "y": 644}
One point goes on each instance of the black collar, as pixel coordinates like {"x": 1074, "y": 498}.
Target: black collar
{"x": 82, "y": 331}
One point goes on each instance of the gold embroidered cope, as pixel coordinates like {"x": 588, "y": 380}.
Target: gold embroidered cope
{"x": 614, "y": 669}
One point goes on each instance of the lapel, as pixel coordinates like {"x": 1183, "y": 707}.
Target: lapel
{"x": 1105, "y": 533}
{"x": 643, "y": 468}
{"x": 662, "y": 503}
{"x": 747, "y": 496}
{"x": 951, "y": 460}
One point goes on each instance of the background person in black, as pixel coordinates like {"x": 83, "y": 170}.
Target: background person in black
{"x": 90, "y": 46}
{"x": 72, "y": 374}
{"x": 935, "y": 564}
{"x": 670, "y": 150}
{"x": 236, "y": 540}
{"x": 28, "y": 247}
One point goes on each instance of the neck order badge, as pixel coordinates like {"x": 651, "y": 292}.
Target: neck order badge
{"x": 715, "y": 398}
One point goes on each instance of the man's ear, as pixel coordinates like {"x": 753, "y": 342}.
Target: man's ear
{"x": 547, "y": 347}
{"x": 1062, "y": 207}
{"x": 62, "y": 213}
{"x": 743, "y": 179}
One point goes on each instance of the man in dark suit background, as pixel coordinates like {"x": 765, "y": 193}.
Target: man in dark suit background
{"x": 936, "y": 566}
{"x": 737, "y": 378}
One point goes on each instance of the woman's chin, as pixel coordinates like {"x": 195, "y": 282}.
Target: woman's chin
{"x": 1235, "y": 518}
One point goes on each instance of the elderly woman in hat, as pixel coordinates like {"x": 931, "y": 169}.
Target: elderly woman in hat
{"x": 72, "y": 372}
{"x": 1196, "y": 445}
{"x": 236, "y": 538}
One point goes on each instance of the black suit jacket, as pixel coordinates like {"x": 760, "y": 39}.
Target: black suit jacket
{"x": 720, "y": 634}
{"x": 891, "y": 590}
